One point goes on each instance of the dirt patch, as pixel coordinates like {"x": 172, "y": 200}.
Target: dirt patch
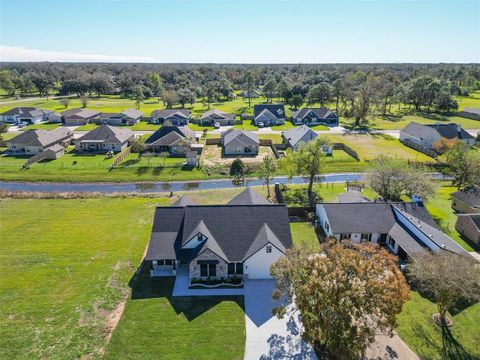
{"x": 213, "y": 155}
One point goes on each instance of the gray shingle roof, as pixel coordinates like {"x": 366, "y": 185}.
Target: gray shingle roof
{"x": 351, "y": 196}
{"x": 182, "y": 131}
{"x": 248, "y": 197}
{"x": 272, "y": 108}
{"x": 234, "y": 229}
{"x": 80, "y": 113}
{"x": 370, "y": 217}
{"x": 26, "y": 111}
{"x": 40, "y": 137}
{"x": 295, "y": 134}
{"x": 449, "y": 131}
{"x": 240, "y": 135}
{"x": 167, "y": 113}
{"x": 217, "y": 114}
{"x": 321, "y": 113}
{"x": 108, "y": 134}
{"x": 265, "y": 236}
{"x": 406, "y": 241}
{"x": 470, "y": 196}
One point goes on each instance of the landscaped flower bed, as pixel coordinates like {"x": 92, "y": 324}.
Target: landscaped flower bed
{"x": 217, "y": 283}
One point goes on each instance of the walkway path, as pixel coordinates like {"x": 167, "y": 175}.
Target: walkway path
{"x": 386, "y": 348}
{"x": 268, "y": 337}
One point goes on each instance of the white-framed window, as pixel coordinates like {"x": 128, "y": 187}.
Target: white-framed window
{"x": 268, "y": 249}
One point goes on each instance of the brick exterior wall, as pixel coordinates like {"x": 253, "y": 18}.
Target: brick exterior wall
{"x": 222, "y": 267}
{"x": 467, "y": 228}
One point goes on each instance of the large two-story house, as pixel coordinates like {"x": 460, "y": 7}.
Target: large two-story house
{"x": 242, "y": 239}
{"x": 268, "y": 114}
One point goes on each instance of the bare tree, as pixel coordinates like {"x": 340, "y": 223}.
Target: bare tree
{"x": 84, "y": 100}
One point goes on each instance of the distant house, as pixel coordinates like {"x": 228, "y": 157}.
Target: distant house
{"x": 240, "y": 142}
{"x": 466, "y": 200}
{"x": 268, "y": 114}
{"x": 251, "y": 94}
{"x": 315, "y": 116}
{"x": 200, "y": 242}
{"x": 176, "y": 140}
{"x": 297, "y": 136}
{"x": 470, "y": 113}
{"x": 427, "y": 135}
{"x": 103, "y": 139}
{"x": 28, "y": 115}
{"x": 78, "y": 116}
{"x": 469, "y": 226}
{"x": 213, "y": 116}
{"x": 406, "y": 228}
{"x": 32, "y": 142}
{"x": 126, "y": 117}
{"x": 177, "y": 117}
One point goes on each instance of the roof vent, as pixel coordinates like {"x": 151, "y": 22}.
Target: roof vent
{"x": 430, "y": 235}
{"x": 443, "y": 246}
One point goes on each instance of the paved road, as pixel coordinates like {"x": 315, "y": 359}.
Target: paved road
{"x": 268, "y": 337}
{"x": 390, "y": 348}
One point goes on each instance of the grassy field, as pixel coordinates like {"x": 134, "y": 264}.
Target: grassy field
{"x": 440, "y": 208}
{"x": 64, "y": 272}
{"x": 44, "y": 126}
{"x": 460, "y": 342}
{"x": 303, "y": 232}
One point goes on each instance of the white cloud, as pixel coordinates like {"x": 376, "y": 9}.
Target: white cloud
{"x": 20, "y": 54}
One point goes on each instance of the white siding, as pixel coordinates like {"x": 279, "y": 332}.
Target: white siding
{"x": 323, "y": 220}
{"x": 258, "y": 265}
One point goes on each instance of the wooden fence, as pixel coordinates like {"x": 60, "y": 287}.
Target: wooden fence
{"x": 120, "y": 157}
{"x": 35, "y": 158}
{"x": 347, "y": 149}
{"x": 420, "y": 148}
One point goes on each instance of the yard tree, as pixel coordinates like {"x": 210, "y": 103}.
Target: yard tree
{"x": 154, "y": 83}
{"x": 101, "y": 83}
{"x": 6, "y": 82}
{"x": 224, "y": 88}
{"x": 345, "y": 293}
{"x": 363, "y": 102}
{"x": 65, "y": 102}
{"x": 84, "y": 100}
{"x": 295, "y": 101}
{"x": 237, "y": 171}
{"x": 450, "y": 278}
{"x": 444, "y": 144}
{"x": 307, "y": 160}
{"x": 185, "y": 96}
{"x": 266, "y": 171}
{"x": 138, "y": 95}
{"x": 42, "y": 82}
{"x": 319, "y": 93}
{"x": 138, "y": 146}
{"x": 170, "y": 98}
{"x": 337, "y": 91}
{"x": 283, "y": 90}
{"x": 269, "y": 89}
{"x": 249, "y": 85}
{"x": 392, "y": 177}
{"x": 211, "y": 95}
{"x": 463, "y": 164}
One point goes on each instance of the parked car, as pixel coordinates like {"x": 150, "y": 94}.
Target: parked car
{"x": 217, "y": 125}
{"x": 22, "y": 124}
{"x": 261, "y": 124}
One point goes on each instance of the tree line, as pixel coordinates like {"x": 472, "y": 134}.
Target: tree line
{"x": 353, "y": 90}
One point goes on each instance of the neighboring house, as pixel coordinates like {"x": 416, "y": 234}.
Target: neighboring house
{"x": 104, "y": 138}
{"x": 177, "y": 117}
{"x": 248, "y": 197}
{"x": 427, "y": 135}
{"x": 218, "y": 241}
{"x": 32, "y": 142}
{"x": 467, "y": 200}
{"x": 240, "y": 142}
{"x": 407, "y": 229}
{"x": 469, "y": 226}
{"x": 268, "y": 114}
{"x": 251, "y": 94}
{"x": 78, "y": 116}
{"x": 29, "y": 115}
{"x": 470, "y": 113}
{"x": 126, "y": 117}
{"x": 172, "y": 139}
{"x": 315, "y": 116}
{"x": 297, "y": 136}
{"x": 213, "y": 116}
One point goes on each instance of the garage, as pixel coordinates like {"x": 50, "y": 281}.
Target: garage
{"x": 257, "y": 266}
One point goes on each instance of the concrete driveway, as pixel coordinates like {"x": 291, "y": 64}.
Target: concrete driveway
{"x": 267, "y": 336}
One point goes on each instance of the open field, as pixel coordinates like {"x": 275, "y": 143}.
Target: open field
{"x": 44, "y": 126}
{"x": 429, "y": 341}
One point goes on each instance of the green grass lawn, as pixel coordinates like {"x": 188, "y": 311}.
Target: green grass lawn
{"x": 44, "y": 126}
{"x": 198, "y": 127}
{"x": 440, "y": 209}
{"x": 64, "y": 265}
{"x": 461, "y": 341}
{"x": 144, "y": 126}
{"x": 473, "y": 100}
{"x": 246, "y": 125}
{"x": 87, "y": 127}
{"x": 303, "y": 232}
{"x": 276, "y": 138}
{"x": 155, "y": 325}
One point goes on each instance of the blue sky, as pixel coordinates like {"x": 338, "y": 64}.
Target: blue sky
{"x": 240, "y": 31}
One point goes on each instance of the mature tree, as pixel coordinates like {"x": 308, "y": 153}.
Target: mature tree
{"x": 269, "y": 89}
{"x": 266, "y": 171}
{"x": 338, "y": 90}
{"x": 84, "y": 100}
{"x": 463, "y": 164}
{"x": 444, "y": 144}
{"x": 295, "y": 101}
{"x": 307, "y": 160}
{"x": 77, "y": 82}
{"x": 42, "y": 82}
{"x": 448, "y": 277}
{"x": 6, "y": 82}
{"x": 65, "y": 102}
{"x": 186, "y": 96}
{"x": 249, "y": 85}
{"x": 224, "y": 88}
{"x": 138, "y": 146}
{"x": 237, "y": 171}
{"x": 170, "y": 98}
{"x": 211, "y": 95}
{"x": 392, "y": 177}
{"x": 320, "y": 93}
{"x": 101, "y": 83}
{"x": 154, "y": 83}
{"x": 283, "y": 90}
{"x": 363, "y": 102}
{"x": 138, "y": 95}
{"x": 345, "y": 293}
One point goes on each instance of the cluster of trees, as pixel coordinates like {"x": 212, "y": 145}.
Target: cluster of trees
{"x": 354, "y": 90}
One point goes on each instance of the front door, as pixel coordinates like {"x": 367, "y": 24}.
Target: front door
{"x": 212, "y": 270}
